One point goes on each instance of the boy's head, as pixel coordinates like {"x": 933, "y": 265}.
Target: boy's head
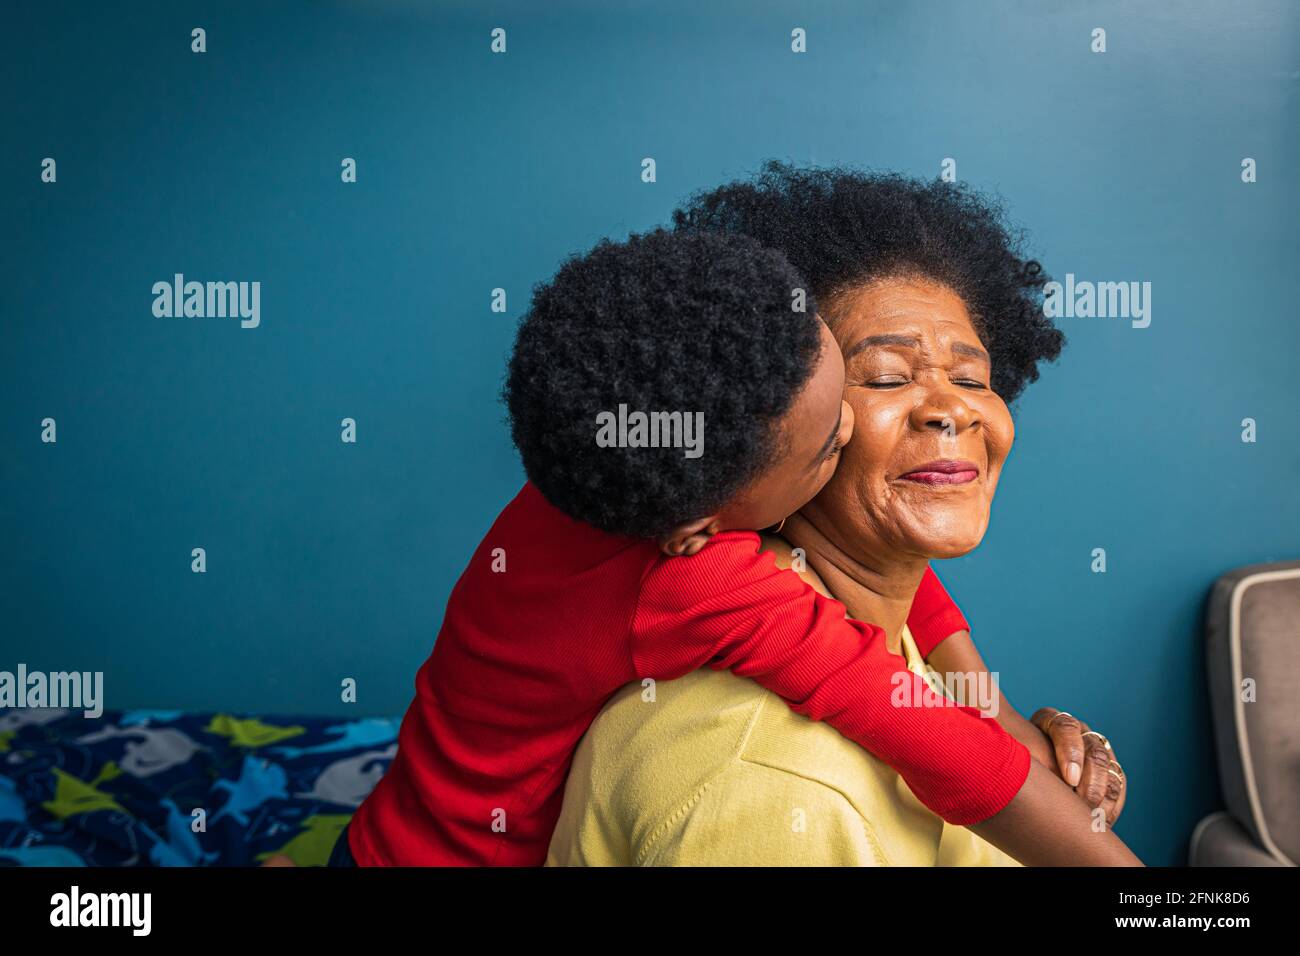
{"x": 668, "y": 387}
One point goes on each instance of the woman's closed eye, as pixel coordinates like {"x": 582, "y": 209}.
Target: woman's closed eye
{"x": 897, "y": 381}
{"x": 887, "y": 381}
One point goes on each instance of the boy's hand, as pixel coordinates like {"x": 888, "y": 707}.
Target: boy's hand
{"x": 1085, "y": 761}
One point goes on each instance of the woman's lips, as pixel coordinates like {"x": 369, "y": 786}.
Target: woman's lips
{"x": 945, "y": 471}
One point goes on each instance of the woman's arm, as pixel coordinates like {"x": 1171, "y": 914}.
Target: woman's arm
{"x": 1046, "y": 805}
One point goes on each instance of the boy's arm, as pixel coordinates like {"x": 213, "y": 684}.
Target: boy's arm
{"x": 730, "y": 607}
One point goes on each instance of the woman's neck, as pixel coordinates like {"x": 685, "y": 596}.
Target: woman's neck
{"x": 875, "y": 588}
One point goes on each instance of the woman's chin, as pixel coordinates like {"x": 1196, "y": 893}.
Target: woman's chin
{"x": 939, "y": 543}
{"x": 942, "y": 553}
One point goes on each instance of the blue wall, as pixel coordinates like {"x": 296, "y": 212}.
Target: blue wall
{"x": 328, "y": 560}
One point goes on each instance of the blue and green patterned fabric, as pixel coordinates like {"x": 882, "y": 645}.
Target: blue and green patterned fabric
{"x": 167, "y": 788}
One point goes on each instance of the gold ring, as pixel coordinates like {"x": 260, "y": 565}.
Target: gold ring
{"x": 1059, "y": 713}
{"x": 1101, "y": 737}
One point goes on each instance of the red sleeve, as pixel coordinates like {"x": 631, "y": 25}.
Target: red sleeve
{"x": 934, "y": 616}
{"x": 730, "y": 607}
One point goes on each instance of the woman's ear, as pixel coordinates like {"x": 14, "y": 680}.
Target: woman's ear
{"x": 688, "y": 538}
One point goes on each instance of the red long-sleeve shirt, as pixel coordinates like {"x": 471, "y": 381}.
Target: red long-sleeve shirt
{"x": 552, "y": 616}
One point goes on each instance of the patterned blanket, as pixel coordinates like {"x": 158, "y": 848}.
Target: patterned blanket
{"x": 166, "y": 788}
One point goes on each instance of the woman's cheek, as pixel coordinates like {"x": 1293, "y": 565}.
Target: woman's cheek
{"x": 1001, "y": 433}
{"x": 840, "y": 488}
{"x": 861, "y": 486}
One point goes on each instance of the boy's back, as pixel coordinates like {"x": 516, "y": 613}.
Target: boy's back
{"x": 540, "y": 617}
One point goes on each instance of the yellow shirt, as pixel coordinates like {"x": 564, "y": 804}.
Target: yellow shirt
{"x": 718, "y": 771}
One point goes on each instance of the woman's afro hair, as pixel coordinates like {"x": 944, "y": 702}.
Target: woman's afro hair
{"x": 842, "y": 229}
{"x": 664, "y": 322}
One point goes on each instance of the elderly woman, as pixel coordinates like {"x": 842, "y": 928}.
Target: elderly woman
{"x": 938, "y": 319}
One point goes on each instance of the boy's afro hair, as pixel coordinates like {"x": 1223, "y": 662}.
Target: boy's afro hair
{"x": 664, "y": 322}
{"x": 842, "y": 228}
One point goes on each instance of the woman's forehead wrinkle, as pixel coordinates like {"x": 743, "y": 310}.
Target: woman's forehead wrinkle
{"x": 887, "y": 338}
{"x": 917, "y": 343}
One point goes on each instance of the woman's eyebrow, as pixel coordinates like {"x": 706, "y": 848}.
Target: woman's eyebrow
{"x": 889, "y": 338}
{"x": 911, "y": 341}
{"x": 974, "y": 351}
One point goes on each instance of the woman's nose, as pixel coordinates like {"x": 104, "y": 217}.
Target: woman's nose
{"x": 944, "y": 409}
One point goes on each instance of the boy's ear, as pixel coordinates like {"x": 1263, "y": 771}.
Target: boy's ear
{"x": 688, "y": 538}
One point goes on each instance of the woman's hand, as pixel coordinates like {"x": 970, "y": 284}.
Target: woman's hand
{"x": 1085, "y": 761}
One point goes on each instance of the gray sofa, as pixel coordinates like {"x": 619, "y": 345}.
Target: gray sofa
{"x": 1253, "y": 662}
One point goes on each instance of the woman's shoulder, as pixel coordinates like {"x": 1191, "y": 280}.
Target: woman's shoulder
{"x": 654, "y": 747}
{"x": 664, "y": 739}
{"x": 788, "y": 558}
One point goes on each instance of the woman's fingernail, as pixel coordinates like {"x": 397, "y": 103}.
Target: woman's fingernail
{"x": 1072, "y": 773}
